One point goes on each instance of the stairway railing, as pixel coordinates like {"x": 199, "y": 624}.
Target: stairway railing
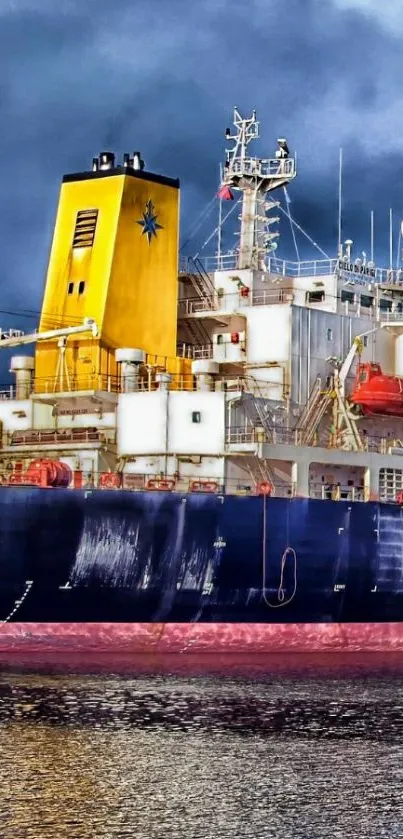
{"x": 314, "y": 411}
{"x": 197, "y": 332}
{"x": 255, "y": 405}
{"x": 200, "y": 279}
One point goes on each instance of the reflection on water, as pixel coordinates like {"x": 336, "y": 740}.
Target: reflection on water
{"x": 259, "y": 754}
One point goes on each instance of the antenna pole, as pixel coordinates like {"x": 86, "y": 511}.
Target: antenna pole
{"x": 340, "y": 200}
{"x": 398, "y": 249}
{"x": 372, "y": 235}
{"x": 219, "y": 228}
{"x": 254, "y": 177}
{"x": 390, "y": 239}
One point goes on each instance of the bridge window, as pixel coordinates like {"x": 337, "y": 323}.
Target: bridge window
{"x": 329, "y": 334}
{"x": 84, "y": 231}
{"x": 196, "y": 416}
{"x": 390, "y": 483}
{"x": 347, "y": 296}
{"x": 315, "y": 296}
{"x": 366, "y": 301}
{"x": 385, "y": 305}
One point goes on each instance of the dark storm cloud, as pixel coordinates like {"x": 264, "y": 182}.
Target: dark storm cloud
{"x": 81, "y": 75}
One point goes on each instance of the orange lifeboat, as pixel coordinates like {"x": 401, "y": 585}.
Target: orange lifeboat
{"x": 376, "y": 393}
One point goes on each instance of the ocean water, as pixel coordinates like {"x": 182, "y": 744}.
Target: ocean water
{"x": 162, "y": 750}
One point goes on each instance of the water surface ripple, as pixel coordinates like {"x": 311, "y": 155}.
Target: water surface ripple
{"x": 199, "y": 756}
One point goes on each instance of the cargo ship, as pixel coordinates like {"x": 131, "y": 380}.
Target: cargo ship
{"x": 202, "y": 454}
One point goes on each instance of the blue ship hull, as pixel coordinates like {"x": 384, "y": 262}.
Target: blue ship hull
{"x": 123, "y": 557}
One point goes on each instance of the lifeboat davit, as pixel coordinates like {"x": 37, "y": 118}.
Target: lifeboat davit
{"x": 376, "y": 393}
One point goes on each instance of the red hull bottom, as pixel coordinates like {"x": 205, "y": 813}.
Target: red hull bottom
{"x": 218, "y": 638}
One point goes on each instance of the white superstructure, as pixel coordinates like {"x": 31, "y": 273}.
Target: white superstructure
{"x": 267, "y": 398}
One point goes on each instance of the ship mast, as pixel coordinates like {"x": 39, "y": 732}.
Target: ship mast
{"x": 255, "y": 178}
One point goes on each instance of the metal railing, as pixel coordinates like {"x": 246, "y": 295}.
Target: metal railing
{"x": 224, "y": 262}
{"x": 306, "y": 268}
{"x": 130, "y": 481}
{"x": 267, "y": 296}
{"x": 218, "y": 352}
{"x": 391, "y": 317}
{"x": 272, "y": 167}
{"x": 253, "y": 436}
{"x": 148, "y": 383}
{"x": 52, "y": 385}
{"x": 336, "y": 492}
{"x": 201, "y": 351}
{"x": 60, "y": 436}
{"x": 192, "y": 305}
{"x": 380, "y": 276}
{"x": 274, "y": 265}
{"x": 194, "y": 351}
{"x": 7, "y": 392}
{"x": 248, "y": 486}
{"x": 95, "y": 381}
{"x": 231, "y": 302}
{"x": 291, "y": 437}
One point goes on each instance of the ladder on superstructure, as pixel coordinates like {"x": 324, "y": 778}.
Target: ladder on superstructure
{"x": 317, "y": 406}
{"x": 197, "y": 333}
{"x": 256, "y": 410}
{"x": 319, "y": 401}
{"x": 260, "y": 471}
{"x": 200, "y": 279}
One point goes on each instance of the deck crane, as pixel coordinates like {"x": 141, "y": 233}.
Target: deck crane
{"x": 342, "y": 370}
{"x": 345, "y": 432}
{"x": 16, "y": 338}
{"x": 344, "y": 421}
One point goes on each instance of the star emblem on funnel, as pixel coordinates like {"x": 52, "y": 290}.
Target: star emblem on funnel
{"x": 149, "y": 222}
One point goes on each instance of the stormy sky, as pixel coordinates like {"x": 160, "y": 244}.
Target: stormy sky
{"x": 81, "y": 76}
